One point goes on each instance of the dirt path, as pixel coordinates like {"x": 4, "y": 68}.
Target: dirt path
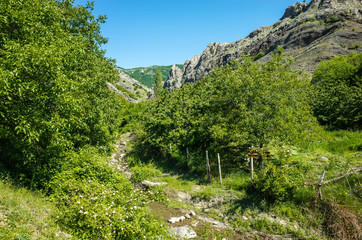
{"x": 203, "y": 222}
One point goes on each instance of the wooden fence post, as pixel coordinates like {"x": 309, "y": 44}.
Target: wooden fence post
{"x": 252, "y": 168}
{"x": 218, "y": 161}
{"x": 319, "y": 191}
{"x": 208, "y": 166}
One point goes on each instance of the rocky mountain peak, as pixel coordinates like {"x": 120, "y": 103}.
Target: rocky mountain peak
{"x": 294, "y": 10}
{"x": 174, "y": 80}
{"x": 309, "y": 33}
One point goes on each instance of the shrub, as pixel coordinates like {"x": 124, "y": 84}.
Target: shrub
{"x": 140, "y": 173}
{"x": 337, "y": 97}
{"x": 95, "y": 202}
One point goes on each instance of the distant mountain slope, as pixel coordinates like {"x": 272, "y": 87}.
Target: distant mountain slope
{"x": 309, "y": 33}
{"x": 130, "y": 88}
{"x": 146, "y": 75}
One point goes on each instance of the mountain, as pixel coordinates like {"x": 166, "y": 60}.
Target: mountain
{"x": 146, "y": 75}
{"x": 309, "y": 33}
{"x": 130, "y": 88}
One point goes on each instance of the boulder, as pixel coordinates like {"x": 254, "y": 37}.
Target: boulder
{"x": 183, "y": 232}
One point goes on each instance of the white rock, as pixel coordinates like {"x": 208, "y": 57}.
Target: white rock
{"x": 184, "y": 232}
{"x": 174, "y": 220}
{"x": 187, "y": 216}
{"x": 152, "y": 184}
{"x": 324, "y": 159}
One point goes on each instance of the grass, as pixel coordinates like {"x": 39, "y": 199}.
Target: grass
{"x": 296, "y": 218}
{"x": 26, "y": 215}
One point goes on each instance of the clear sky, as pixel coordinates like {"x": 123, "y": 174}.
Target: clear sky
{"x": 143, "y": 33}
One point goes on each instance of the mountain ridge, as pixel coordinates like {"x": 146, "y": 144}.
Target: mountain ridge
{"x": 309, "y": 33}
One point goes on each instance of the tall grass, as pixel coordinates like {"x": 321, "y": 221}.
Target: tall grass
{"x": 26, "y": 215}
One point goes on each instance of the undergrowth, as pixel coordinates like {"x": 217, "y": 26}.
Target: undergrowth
{"x": 27, "y": 215}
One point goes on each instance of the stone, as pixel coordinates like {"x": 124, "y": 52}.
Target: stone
{"x": 192, "y": 213}
{"x": 152, "y": 184}
{"x": 174, "y": 220}
{"x": 174, "y": 80}
{"x": 182, "y": 196}
{"x": 324, "y": 159}
{"x": 184, "y": 232}
{"x": 194, "y": 223}
{"x": 187, "y": 216}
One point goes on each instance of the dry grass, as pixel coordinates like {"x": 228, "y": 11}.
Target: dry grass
{"x": 340, "y": 223}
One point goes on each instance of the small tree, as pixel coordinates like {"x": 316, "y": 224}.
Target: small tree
{"x": 158, "y": 83}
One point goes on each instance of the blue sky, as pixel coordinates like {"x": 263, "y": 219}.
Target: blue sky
{"x": 143, "y": 33}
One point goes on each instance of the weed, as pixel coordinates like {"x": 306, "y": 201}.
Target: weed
{"x": 144, "y": 172}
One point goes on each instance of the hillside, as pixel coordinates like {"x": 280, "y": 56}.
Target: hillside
{"x": 256, "y": 150}
{"x": 130, "y": 88}
{"x": 309, "y": 33}
{"x": 146, "y": 75}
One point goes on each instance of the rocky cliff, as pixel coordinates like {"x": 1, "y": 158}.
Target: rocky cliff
{"x": 309, "y": 33}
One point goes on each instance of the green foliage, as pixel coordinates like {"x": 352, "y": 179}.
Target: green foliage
{"x": 259, "y": 55}
{"x": 96, "y": 202}
{"x": 53, "y": 89}
{"x": 146, "y": 75}
{"x": 146, "y": 172}
{"x": 278, "y": 182}
{"x": 337, "y": 92}
{"x": 26, "y": 215}
{"x": 239, "y": 105}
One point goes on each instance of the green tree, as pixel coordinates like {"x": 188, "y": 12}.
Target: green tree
{"x": 53, "y": 89}
{"x": 337, "y": 92}
{"x": 158, "y": 83}
{"x": 239, "y": 105}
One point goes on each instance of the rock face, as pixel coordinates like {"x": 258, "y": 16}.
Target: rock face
{"x": 174, "y": 80}
{"x": 309, "y": 33}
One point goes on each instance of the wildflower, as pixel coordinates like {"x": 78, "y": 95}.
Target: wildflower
{"x": 95, "y": 215}
{"x": 80, "y": 211}
{"x": 85, "y": 212}
{"x": 245, "y": 218}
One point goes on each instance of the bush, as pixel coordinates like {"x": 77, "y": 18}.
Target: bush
{"x": 337, "y": 92}
{"x": 96, "y": 202}
{"x": 279, "y": 180}
{"x": 140, "y": 173}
